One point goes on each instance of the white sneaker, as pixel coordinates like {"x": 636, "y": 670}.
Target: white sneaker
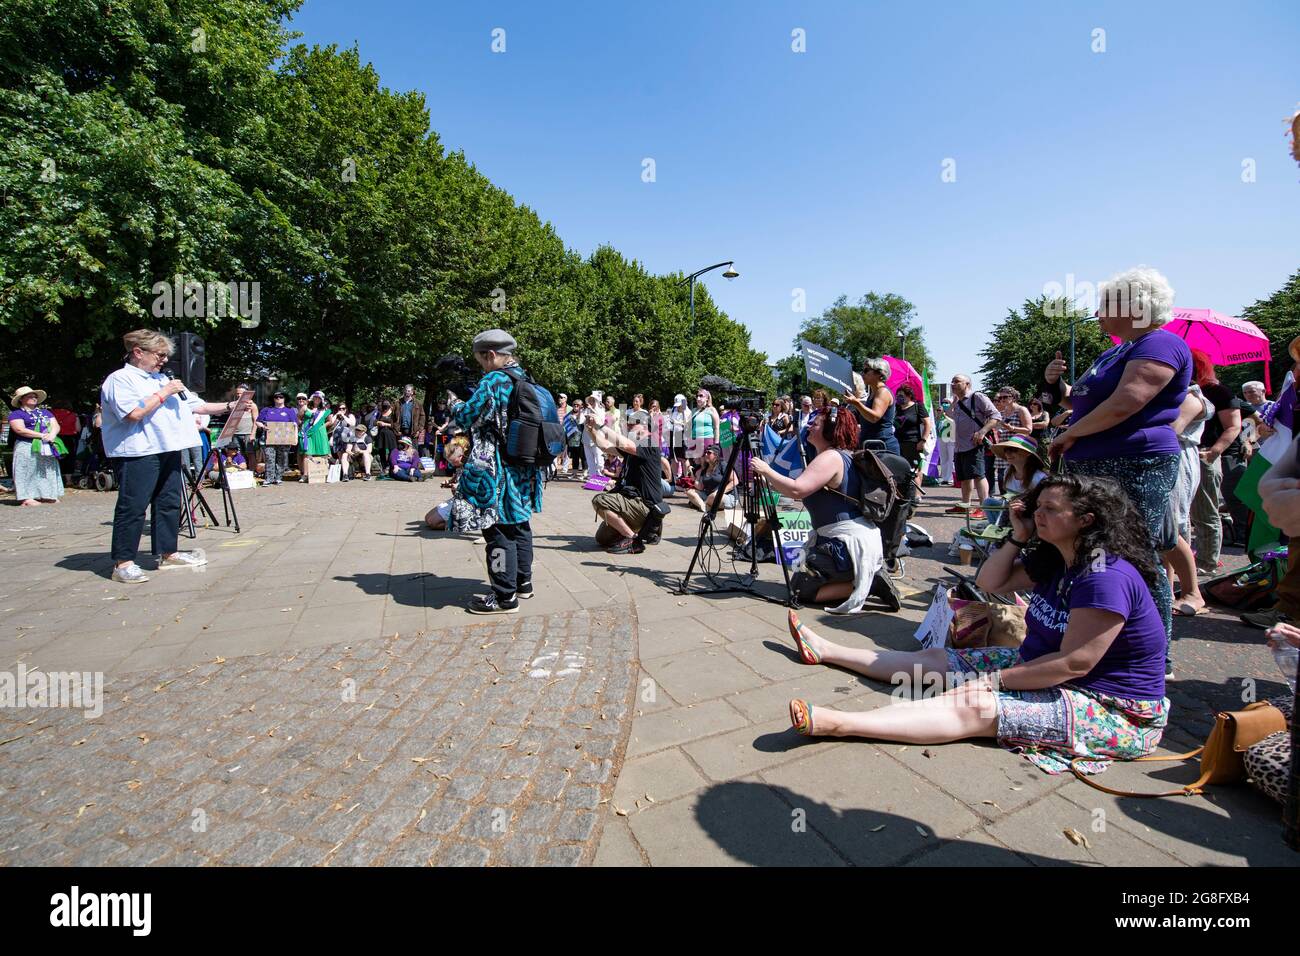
{"x": 129, "y": 574}
{"x": 184, "y": 559}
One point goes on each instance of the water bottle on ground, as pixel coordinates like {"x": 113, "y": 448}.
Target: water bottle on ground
{"x": 1287, "y": 657}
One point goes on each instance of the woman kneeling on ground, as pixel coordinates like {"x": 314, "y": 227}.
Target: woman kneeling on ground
{"x": 844, "y": 554}
{"x": 1088, "y": 680}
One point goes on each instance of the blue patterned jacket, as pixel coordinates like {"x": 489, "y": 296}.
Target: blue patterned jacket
{"x": 502, "y": 493}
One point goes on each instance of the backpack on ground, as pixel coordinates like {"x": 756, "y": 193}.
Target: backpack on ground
{"x": 534, "y": 435}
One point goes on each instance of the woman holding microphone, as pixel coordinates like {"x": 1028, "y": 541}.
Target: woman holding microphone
{"x": 148, "y": 425}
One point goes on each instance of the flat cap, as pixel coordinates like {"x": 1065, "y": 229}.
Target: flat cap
{"x": 495, "y": 340}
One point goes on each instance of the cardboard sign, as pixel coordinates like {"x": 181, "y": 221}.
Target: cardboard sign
{"x": 933, "y": 631}
{"x": 826, "y": 368}
{"x": 282, "y": 433}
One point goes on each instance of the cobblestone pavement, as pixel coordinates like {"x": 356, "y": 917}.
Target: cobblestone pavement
{"x": 483, "y": 744}
{"x": 292, "y": 704}
{"x": 226, "y": 695}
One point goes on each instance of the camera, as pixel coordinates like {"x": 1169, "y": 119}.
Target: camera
{"x": 750, "y": 403}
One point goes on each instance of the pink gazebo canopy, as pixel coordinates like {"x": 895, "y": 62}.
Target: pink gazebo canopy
{"x": 1226, "y": 340}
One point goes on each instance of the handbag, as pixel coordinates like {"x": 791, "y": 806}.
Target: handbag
{"x": 984, "y": 624}
{"x": 1234, "y": 732}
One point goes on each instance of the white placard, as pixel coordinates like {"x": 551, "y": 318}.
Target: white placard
{"x": 933, "y": 631}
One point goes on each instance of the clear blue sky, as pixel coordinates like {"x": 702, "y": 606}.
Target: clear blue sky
{"x": 822, "y": 170}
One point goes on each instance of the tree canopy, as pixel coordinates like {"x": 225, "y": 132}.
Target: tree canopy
{"x": 867, "y": 329}
{"x": 141, "y": 142}
{"x": 1024, "y": 342}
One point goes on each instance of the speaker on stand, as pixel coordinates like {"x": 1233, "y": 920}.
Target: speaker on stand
{"x": 189, "y": 362}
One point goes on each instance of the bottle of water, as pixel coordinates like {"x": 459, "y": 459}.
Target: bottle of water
{"x": 1287, "y": 657}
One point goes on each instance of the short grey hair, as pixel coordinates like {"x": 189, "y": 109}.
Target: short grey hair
{"x": 877, "y": 365}
{"x": 1146, "y": 292}
{"x": 1258, "y": 386}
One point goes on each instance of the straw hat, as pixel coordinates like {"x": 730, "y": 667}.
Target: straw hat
{"x": 24, "y": 391}
{"x": 1020, "y": 443}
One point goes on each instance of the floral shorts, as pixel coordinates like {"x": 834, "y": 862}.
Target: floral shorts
{"x": 1050, "y": 727}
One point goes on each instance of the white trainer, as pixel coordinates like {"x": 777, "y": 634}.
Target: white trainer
{"x": 184, "y": 559}
{"x": 129, "y": 574}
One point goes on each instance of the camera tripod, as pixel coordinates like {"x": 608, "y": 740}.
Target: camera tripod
{"x": 756, "y": 500}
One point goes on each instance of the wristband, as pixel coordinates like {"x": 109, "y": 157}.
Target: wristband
{"x": 1011, "y": 539}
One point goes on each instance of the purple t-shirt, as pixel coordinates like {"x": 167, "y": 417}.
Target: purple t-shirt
{"x": 1146, "y": 432}
{"x": 274, "y": 414}
{"x": 403, "y": 459}
{"x": 30, "y": 420}
{"x": 1134, "y": 664}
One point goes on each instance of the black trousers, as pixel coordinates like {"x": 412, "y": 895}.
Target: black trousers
{"x": 149, "y": 479}
{"x": 509, "y": 557}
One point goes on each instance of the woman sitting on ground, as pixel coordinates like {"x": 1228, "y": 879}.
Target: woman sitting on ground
{"x": 844, "y": 553}
{"x": 708, "y": 482}
{"x": 1088, "y": 680}
{"x": 405, "y": 462}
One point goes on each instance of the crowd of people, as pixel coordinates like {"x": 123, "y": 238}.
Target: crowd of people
{"x": 1132, "y": 462}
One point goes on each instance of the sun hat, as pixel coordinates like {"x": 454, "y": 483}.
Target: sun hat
{"x": 300, "y": 395}
{"x": 22, "y": 393}
{"x": 1019, "y": 443}
{"x": 405, "y": 441}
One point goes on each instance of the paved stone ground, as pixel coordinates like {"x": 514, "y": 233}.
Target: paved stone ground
{"x": 316, "y": 695}
{"x": 220, "y": 669}
{"x": 714, "y": 775}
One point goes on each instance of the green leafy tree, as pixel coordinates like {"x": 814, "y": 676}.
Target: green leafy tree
{"x": 869, "y": 329}
{"x": 124, "y": 132}
{"x": 1278, "y": 317}
{"x": 1027, "y": 339}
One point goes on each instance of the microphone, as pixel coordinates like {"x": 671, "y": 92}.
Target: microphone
{"x": 183, "y": 395}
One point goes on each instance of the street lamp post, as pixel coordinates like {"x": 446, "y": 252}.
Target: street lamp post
{"x": 730, "y": 274}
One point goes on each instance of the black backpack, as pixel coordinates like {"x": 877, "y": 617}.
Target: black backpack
{"x": 877, "y": 489}
{"x": 534, "y": 435}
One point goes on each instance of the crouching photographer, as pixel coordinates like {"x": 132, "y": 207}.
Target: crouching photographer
{"x": 638, "y": 496}
{"x": 844, "y": 554}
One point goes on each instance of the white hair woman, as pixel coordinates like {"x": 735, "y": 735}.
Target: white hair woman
{"x": 148, "y": 421}
{"x": 1122, "y": 407}
{"x": 876, "y": 413}
{"x": 36, "y": 448}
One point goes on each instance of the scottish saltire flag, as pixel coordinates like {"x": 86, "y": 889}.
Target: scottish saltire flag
{"x": 570, "y": 426}
{"x": 1274, "y": 447}
{"x": 783, "y": 456}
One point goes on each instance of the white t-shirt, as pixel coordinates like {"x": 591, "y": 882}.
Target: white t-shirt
{"x": 169, "y": 428}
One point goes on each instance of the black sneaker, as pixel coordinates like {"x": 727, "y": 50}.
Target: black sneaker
{"x": 524, "y": 591}
{"x": 625, "y": 546}
{"x": 489, "y": 604}
{"x": 883, "y": 587}
{"x": 653, "y": 539}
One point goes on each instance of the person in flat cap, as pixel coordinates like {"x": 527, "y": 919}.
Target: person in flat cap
{"x": 504, "y": 495}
